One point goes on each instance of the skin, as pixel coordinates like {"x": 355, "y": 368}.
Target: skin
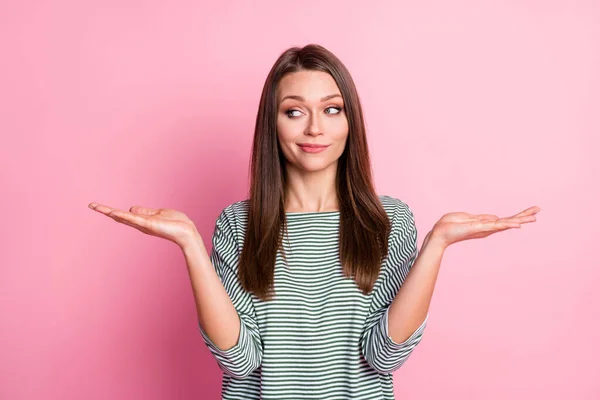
{"x": 309, "y": 114}
{"x": 304, "y": 118}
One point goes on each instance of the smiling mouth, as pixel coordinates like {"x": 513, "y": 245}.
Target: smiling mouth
{"x": 312, "y": 148}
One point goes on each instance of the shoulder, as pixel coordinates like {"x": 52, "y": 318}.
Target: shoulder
{"x": 396, "y": 208}
{"x": 234, "y": 212}
{"x": 401, "y": 216}
{"x": 232, "y": 220}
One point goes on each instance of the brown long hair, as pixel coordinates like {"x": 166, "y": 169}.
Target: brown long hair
{"x": 364, "y": 224}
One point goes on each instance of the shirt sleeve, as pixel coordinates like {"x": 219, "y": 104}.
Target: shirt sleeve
{"x": 378, "y": 348}
{"x": 246, "y": 355}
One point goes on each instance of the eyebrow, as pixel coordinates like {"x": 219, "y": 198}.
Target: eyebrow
{"x": 300, "y": 98}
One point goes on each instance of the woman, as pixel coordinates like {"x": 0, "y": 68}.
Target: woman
{"x": 300, "y": 296}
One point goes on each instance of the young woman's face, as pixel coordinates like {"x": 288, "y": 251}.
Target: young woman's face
{"x": 311, "y": 111}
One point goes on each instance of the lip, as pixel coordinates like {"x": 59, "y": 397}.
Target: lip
{"x": 312, "y": 145}
{"x": 312, "y": 148}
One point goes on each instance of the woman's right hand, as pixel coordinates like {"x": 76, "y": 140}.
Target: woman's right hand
{"x": 166, "y": 223}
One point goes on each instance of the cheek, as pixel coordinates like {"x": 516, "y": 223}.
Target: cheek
{"x": 338, "y": 127}
{"x": 285, "y": 130}
{"x": 285, "y": 136}
{"x": 341, "y": 147}
{"x": 340, "y": 132}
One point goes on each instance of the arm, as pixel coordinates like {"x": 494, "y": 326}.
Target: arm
{"x": 383, "y": 352}
{"x": 226, "y": 317}
{"x": 411, "y": 305}
{"x": 406, "y": 316}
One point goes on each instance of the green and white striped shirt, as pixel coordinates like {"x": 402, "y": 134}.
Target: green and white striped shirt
{"x": 320, "y": 337}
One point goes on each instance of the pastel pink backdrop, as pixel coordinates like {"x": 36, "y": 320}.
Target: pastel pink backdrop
{"x": 483, "y": 107}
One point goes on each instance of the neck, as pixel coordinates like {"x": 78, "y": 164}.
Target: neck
{"x": 311, "y": 191}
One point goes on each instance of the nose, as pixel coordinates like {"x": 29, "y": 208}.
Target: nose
{"x": 314, "y": 125}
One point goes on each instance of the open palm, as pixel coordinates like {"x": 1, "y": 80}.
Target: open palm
{"x": 459, "y": 226}
{"x": 166, "y": 223}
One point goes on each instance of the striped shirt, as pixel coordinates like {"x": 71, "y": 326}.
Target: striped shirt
{"x": 320, "y": 337}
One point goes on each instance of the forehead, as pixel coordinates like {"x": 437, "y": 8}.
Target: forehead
{"x": 312, "y": 85}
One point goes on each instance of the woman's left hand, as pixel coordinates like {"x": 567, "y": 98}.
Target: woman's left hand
{"x": 459, "y": 226}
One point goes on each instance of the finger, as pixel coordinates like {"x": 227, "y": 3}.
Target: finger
{"x": 488, "y": 233}
{"x": 506, "y": 224}
{"x": 101, "y": 208}
{"x": 492, "y": 226}
{"x": 487, "y": 217}
{"x": 528, "y": 219}
{"x": 521, "y": 220}
{"x": 125, "y": 222}
{"x": 124, "y": 218}
{"x": 529, "y": 211}
{"x": 143, "y": 210}
{"x": 137, "y": 220}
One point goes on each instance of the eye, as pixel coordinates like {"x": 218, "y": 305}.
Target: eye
{"x": 339, "y": 109}
{"x": 291, "y": 111}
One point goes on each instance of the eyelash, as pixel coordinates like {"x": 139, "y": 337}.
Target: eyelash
{"x": 291, "y": 109}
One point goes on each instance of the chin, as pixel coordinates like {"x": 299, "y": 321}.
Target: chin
{"x": 314, "y": 166}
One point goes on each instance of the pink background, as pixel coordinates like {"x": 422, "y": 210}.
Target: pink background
{"x": 483, "y": 107}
